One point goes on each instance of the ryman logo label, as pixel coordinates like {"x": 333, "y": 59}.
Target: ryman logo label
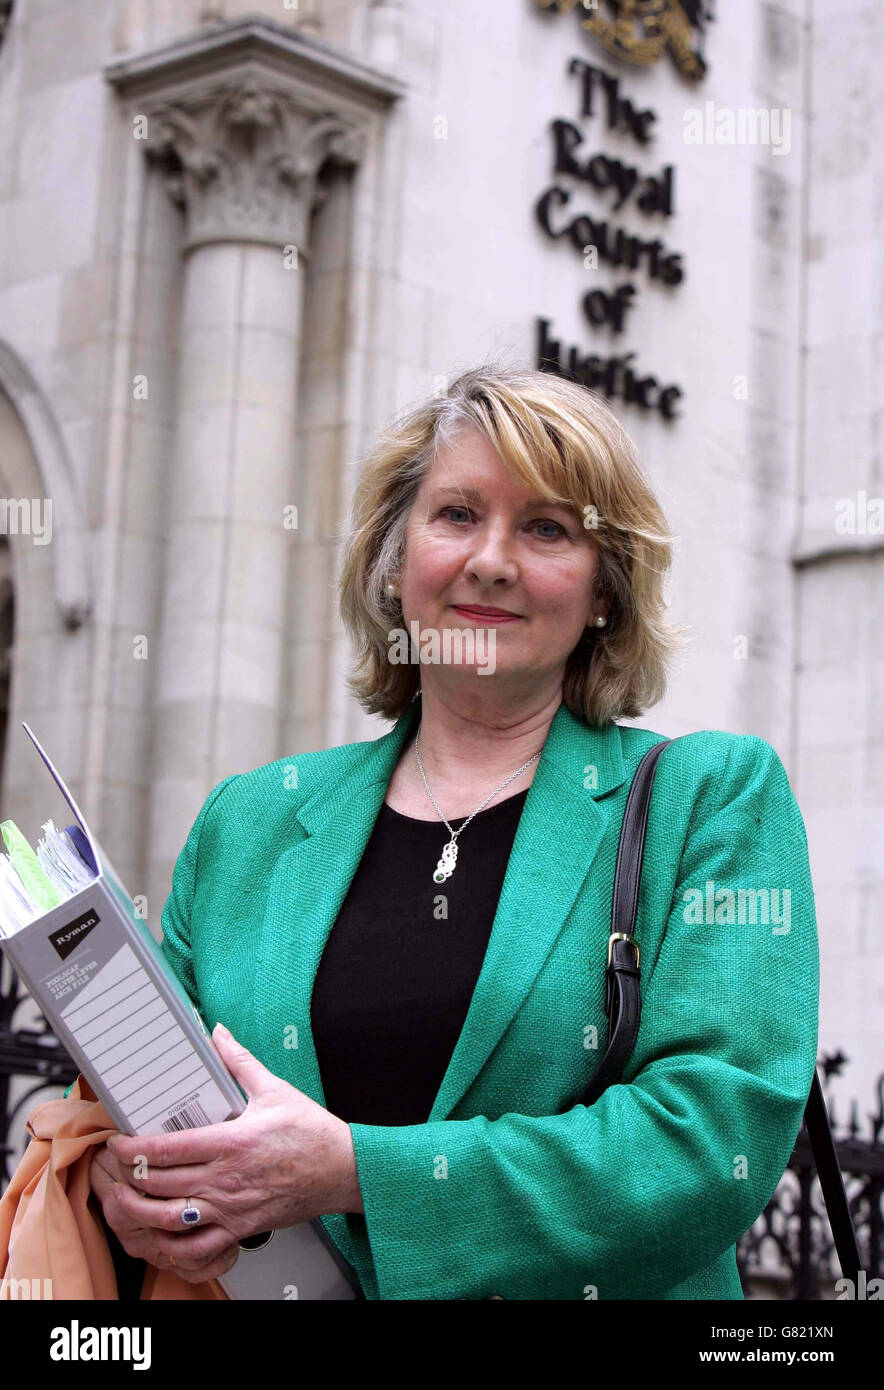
{"x": 67, "y": 938}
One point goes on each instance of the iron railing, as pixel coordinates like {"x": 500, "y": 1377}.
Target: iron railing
{"x": 33, "y": 1052}
{"x": 789, "y": 1251}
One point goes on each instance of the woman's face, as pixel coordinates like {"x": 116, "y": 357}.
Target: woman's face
{"x": 475, "y": 536}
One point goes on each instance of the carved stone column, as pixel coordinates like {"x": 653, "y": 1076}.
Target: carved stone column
{"x": 242, "y": 126}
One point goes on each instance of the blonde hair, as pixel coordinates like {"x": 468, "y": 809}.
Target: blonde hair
{"x": 562, "y": 439}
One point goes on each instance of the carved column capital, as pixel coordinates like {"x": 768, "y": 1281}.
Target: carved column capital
{"x": 241, "y": 118}
{"x": 242, "y": 161}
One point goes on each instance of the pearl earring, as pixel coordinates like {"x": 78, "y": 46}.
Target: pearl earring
{"x": 392, "y": 590}
{"x": 601, "y": 620}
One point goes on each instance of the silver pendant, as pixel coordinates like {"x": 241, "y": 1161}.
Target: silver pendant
{"x": 446, "y": 866}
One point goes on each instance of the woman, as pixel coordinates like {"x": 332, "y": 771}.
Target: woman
{"x": 407, "y": 939}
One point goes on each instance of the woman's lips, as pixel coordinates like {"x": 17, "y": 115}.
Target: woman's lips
{"x": 480, "y": 615}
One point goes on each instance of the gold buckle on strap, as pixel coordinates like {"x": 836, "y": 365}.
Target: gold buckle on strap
{"x": 623, "y": 936}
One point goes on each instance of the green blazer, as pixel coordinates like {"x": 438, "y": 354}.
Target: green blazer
{"x": 511, "y": 1187}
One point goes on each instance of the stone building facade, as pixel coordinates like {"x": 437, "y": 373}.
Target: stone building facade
{"x": 235, "y": 238}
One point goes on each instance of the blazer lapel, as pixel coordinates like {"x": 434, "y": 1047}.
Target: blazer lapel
{"x": 559, "y": 833}
{"x": 307, "y": 889}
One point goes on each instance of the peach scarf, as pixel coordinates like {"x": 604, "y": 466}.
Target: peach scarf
{"x": 49, "y": 1229}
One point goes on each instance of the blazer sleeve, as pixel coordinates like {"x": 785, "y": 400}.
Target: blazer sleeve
{"x": 176, "y": 945}
{"x": 656, "y": 1180}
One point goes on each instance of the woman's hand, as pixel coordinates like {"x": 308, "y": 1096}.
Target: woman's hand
{"x": 284, "y": 1160}
{"x": 108, "y": 1177}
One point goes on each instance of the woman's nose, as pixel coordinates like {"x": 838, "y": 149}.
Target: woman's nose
{"x": 493, "y": 555}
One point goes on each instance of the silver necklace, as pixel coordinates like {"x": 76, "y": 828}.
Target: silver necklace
{"x": 448, "y": 861}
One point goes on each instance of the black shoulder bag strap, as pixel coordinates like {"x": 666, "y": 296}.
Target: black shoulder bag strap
{"x": 623, "y": 1009}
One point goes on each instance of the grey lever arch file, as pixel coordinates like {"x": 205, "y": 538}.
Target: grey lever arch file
{"x": 96, "y": 972}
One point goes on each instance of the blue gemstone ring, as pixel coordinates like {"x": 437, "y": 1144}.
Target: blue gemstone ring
{"x": 191, "y": 1214}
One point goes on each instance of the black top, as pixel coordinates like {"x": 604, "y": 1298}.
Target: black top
{"x": 396, "y": 976}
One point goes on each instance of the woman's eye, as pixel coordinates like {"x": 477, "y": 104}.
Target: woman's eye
{"x": 559, "y": 530}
